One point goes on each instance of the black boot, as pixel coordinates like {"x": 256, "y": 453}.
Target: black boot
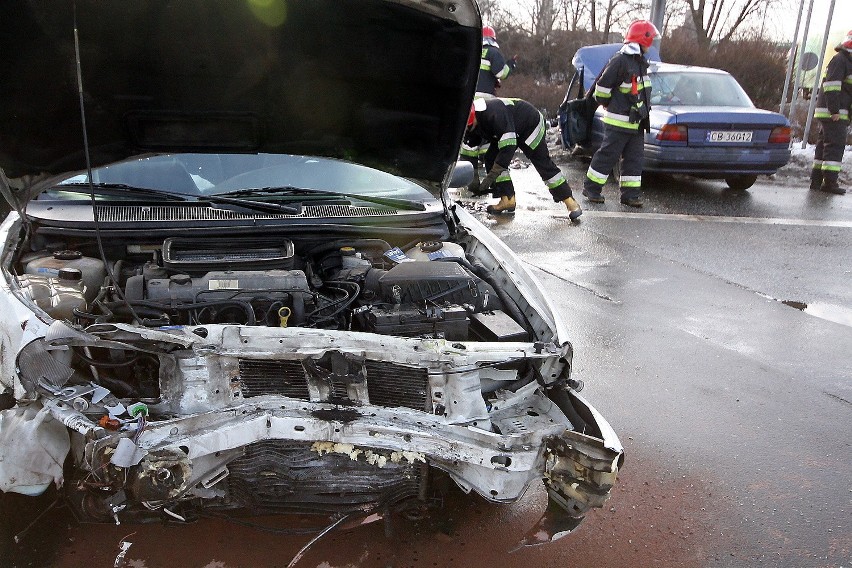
{"x": 829, "y": 183}
{"x": 816, "y": 178}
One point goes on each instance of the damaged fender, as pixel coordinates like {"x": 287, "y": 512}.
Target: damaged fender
{"x": 580, "y": 470}
{"x": 33, "y": 447}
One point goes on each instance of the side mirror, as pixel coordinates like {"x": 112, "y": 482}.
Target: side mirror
{"x": 462, "y": 174}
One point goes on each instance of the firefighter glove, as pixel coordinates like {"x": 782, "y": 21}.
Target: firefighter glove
{"x": 491, "y": 177}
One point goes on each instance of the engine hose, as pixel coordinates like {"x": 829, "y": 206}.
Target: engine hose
{"x": 111, "y": 364}
{"x": 347, "y": 299}
{"x": 356, "y": 243}
{"x": 119, "y": 309}
{"x": 526, "y": 379}
{"x": 247, "y": 308}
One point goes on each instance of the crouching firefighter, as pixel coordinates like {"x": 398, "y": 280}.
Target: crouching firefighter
{"x": 832, "y": 111}
{"x": 496, "y": 128}
{"x": 623, "y": 90}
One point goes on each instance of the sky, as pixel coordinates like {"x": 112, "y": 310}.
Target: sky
{"x": 782, "y": 22}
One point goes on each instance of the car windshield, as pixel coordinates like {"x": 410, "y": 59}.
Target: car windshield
{"x": 697, "y": 88}
{"x": 214, "y": 174}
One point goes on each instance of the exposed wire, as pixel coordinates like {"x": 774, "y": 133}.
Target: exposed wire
{"x": 313, "y": 541}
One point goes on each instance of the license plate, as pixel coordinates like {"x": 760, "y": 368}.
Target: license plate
{"x": 729, "y": 136}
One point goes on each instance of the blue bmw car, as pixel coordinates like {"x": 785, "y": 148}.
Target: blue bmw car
{"x": 703, "y": 123}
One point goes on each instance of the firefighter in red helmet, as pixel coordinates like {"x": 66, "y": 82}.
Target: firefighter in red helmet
{"x": 832, "y": 112}
{"x": 623, "y": 89}
{"x": 493, "y": 67}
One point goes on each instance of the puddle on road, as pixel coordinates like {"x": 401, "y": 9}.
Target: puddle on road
{"x": 830, "y": 312}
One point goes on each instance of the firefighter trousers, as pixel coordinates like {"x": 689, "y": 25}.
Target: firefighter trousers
{"x": 540, "y": 158}
{"x": 828, "y": 153}
{"x": 618, "y": 144}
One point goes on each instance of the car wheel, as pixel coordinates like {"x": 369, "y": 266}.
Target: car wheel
{"x": 740, "y": 182}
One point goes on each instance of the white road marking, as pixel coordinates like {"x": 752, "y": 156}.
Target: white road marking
{"x": 714, "y": 219}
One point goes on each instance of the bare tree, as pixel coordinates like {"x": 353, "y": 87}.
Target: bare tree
{"x": 610, "y": 15}
{"x": 541, "y": 14}
{"x": 572, "y": 13}
{"x": 486, "y": 7}
{"x": 720, "y": 20}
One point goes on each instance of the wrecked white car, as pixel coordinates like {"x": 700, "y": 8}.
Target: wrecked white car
{"x": 233, "y": 278}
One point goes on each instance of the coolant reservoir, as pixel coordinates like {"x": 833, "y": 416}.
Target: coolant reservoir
{"x": 430, "y": 250}
{"x": 92, "y": 269}
{"x": 56, "y": 296}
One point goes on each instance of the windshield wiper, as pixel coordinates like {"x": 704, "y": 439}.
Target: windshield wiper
{"x": 290, "y": 190}
{"x": 121, "y": 188}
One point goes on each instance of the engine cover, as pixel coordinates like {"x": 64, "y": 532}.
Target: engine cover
{"x": 219, "y": 285}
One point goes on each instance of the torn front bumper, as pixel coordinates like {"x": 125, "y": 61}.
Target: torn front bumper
{"x": 191, "y": 455}
{"x": 216, "y": 439}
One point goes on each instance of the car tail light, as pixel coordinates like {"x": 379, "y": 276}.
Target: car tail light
{"x": 780, "y": 135}
{"x": 673, "y": 133}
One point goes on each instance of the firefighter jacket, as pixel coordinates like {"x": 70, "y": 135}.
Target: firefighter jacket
{"x": 506, "y": 123}
{"x": 835, "y": 94}
{"x": 624, "y": 89}
{"x": 492, "y": 67}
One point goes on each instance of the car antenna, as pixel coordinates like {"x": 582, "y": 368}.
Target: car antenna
{"x": 98, "y": 238}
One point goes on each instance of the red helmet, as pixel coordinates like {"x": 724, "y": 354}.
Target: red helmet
{"x": 488, "y": 31}
{"x": 847, "y": 43}
{"x": 478, "y": 105}
{"x": 642, "y": 32}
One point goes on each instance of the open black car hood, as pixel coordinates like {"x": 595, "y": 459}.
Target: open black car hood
{"x": 385, "y": 83}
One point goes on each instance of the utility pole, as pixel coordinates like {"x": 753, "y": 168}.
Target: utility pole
{"x": 658, "y": 11}
{"x": 792, "y": 57}
{"x": 799, "y": 73}
{"x": 817, "y": 77}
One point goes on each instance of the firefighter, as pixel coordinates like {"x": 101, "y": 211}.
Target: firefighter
{"x": 496, "y": 128}
{"x": 493, "y": 67}
{"x": 832, "y": 111}
{"x": 623, "y": 89}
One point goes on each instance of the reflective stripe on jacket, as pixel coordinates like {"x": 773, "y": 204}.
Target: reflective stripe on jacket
{"x": 492, "y": 66}
{"x": 620, "y": 89}
{"x": 835, "y": 93}
{"x": 505, "y": 123}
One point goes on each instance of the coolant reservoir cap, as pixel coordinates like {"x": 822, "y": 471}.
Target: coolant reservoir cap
{"x": 73, "y": 274}
{"x": 67, "y": 255}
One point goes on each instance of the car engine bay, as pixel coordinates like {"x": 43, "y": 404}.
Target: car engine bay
{"x": 273, "y": 375}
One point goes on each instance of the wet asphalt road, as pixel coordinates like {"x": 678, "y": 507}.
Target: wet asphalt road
{"x": 735, "y": 409}
{"x": 687, "y": 333}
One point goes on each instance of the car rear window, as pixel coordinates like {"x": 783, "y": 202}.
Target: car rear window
{"x": 696, "y": 88}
